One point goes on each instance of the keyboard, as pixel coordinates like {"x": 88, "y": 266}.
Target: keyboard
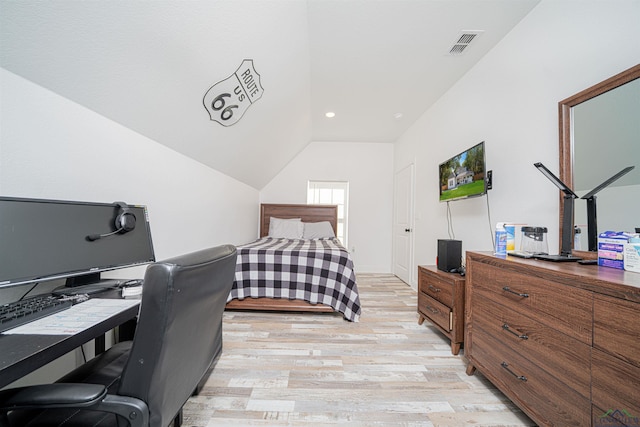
{"x": 18, "y": 313}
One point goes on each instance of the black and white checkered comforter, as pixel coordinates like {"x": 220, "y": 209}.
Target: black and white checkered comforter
{"x": 317, "y": 271}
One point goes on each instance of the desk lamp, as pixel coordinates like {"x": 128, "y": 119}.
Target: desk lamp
{"x": 590, "y": 197}
{"x": 567, "y": 218}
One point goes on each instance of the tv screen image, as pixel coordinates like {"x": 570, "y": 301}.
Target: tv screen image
{"x": 462, "y": 176}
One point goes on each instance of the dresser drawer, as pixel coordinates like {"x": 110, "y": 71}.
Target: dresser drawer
{"x": 437, "y": 288}
{"x": 616, "y": 327}
{"x": 437, "y": 312}
{"x": 611, "y": 418}
{"x": 565, "y": 308}
{"x": 561, "y": 356}
{"x": 615, "y": 385}
{"x": 539, "y": 394}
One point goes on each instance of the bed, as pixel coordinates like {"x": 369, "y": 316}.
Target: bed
{"x": 293, "y": 274}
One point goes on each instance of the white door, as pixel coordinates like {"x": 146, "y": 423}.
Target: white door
{"x": 403, "y": 224}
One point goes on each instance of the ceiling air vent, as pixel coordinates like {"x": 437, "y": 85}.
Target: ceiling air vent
{"x": 464, "y": 40}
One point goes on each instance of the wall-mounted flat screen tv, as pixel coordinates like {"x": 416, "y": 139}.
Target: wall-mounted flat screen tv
{"x": 462, "y": 176}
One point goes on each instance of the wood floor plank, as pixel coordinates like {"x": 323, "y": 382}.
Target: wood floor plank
{"x": 316, "y": 369}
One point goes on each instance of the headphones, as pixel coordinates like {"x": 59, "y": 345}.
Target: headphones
{"x": 125, "y": 219}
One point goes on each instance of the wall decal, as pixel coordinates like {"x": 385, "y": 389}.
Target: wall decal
{"x": 228, "y": 100}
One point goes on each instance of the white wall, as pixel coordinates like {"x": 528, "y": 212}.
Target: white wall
{"x": 55, "y": 149}
{"x": 509, "y": 99}
{"x": 368, "y": 167}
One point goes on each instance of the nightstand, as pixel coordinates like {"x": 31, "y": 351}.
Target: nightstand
{"x": 441, "y": 301}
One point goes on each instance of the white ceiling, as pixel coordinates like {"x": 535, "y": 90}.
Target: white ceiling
{"x": 147, "y": 65}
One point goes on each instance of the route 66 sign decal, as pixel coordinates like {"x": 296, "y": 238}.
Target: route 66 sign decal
{"x": 228, "y": 100}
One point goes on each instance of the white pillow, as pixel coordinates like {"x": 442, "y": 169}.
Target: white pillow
{"x": 318, "y": 230}
{"x": 285, "y": 228}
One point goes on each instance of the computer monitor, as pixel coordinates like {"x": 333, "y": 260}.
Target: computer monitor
{"x": 42, "y": 240}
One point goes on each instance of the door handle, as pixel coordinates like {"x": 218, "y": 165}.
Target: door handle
{"x": 407, "y": 230}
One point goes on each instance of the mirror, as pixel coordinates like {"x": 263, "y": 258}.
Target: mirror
{"x": 599, "y": 136}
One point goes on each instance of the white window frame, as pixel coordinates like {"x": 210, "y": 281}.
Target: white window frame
{"x": 314, "y": 197}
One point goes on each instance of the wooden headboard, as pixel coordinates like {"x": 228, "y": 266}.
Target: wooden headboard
{"x": 308, "y": 213}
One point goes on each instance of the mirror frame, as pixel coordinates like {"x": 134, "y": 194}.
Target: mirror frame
{"x": 566, "y": 144}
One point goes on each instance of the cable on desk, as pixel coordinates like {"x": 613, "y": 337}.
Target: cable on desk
{"x": 29, "y": 291}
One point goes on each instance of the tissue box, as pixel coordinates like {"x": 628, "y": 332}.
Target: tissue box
{"x": 632, "y": 257}
{"x": 611, "y": 248}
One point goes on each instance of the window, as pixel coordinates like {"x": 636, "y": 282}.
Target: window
{"x": 331, "y": 193}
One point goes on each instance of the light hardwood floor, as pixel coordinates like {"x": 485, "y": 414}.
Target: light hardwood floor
{"x": 315, "y": 370}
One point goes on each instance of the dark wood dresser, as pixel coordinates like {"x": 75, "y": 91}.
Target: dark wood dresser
{"x": 441, "y": 300}
{"x": 561, "y": 340}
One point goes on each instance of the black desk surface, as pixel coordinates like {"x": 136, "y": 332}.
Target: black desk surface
{"x": 22, "y": 354}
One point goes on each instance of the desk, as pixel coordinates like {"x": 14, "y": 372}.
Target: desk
{"x": 22, "y": 354}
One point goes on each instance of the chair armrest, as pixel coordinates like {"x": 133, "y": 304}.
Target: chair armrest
{"x": 135, "y": 411}
{"x": 91, "y": 397}
{"x": 52, "y": 396}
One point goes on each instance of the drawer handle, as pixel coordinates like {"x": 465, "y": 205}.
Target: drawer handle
{"x": 434, "y": 289}
{"x": 521, "y": 336}
{"x": 506, "y": 288}
{"x": 505, "y": 365}
{"x": 431, "y": 309}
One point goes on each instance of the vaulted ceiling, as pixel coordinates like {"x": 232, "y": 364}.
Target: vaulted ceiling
{"x": 153, "y": 66}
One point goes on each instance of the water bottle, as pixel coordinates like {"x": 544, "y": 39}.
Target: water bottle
{"x": 511, "y": 237}
{"x": 577, "y": 232}
{"x": 501, "y": 239}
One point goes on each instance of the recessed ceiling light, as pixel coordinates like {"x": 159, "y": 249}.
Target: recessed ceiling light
{"x": 330, "y": 114}
{"x": 397, "y": 116}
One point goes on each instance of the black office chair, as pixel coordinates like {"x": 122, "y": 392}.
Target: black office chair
{"x": 144, "y": 382}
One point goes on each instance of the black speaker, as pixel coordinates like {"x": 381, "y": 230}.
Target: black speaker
{"x": 449, "y": 255}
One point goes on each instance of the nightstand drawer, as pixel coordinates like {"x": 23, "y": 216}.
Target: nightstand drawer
{"x": 435, "y": 311}
{"x": 438, "y": 289}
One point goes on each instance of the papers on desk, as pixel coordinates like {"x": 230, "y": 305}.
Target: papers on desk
{"x": 76, "y": 318}
{"x": 132, "y": 292}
